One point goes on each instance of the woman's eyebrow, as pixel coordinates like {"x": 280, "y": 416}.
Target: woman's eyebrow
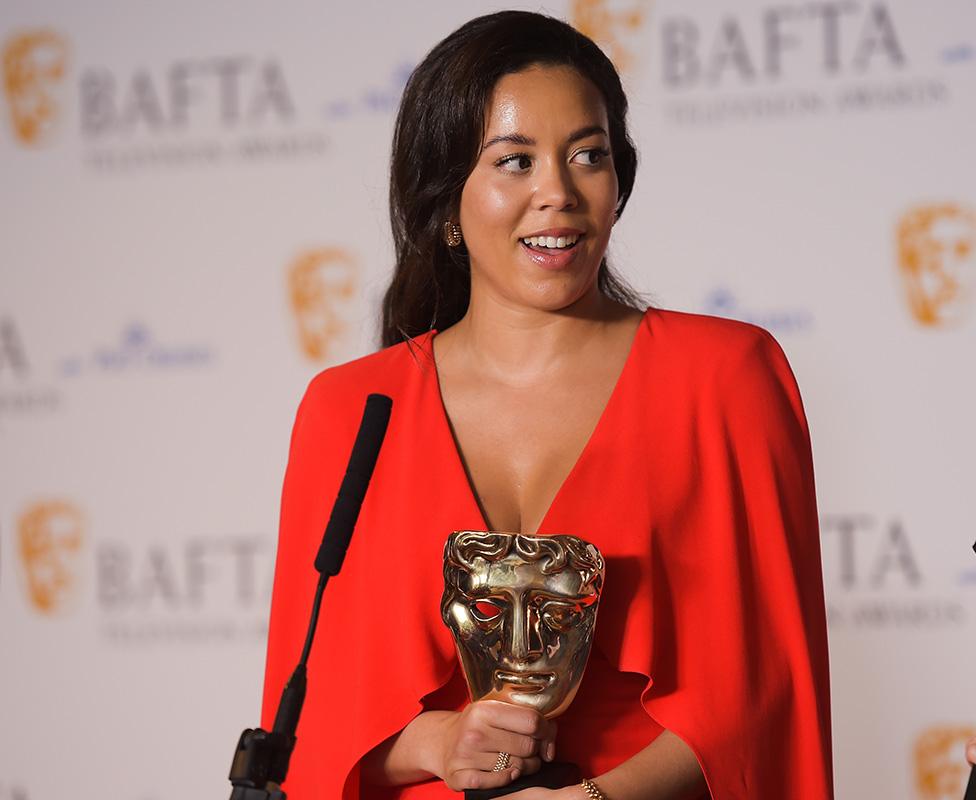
{"x": 510, "y": 138}
{"x": 527, "y": 141}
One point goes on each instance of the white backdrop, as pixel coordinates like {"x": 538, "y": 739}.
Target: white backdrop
{"x": 193, "y": 223}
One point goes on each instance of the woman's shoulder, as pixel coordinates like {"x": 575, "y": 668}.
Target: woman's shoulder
{"x": 719, "y": 337}
{"x": 383, "y": 371}
{"x": 707, "y": 344}
{"x": 725, "y": 354}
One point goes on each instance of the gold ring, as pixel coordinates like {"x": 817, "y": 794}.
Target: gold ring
{"x": 502, "y": 762}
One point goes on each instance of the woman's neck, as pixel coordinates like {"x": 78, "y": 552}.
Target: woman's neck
{"x": 520, "y": 345}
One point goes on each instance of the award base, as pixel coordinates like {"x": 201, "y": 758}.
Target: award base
{"x": 552, "y": 775}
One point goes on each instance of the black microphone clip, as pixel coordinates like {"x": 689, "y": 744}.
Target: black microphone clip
{"x": 260, "y": 756}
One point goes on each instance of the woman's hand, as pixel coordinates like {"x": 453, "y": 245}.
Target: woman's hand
{"x": 970, "y": 751}
{"x": 575, "y": 792}
{"x": 473, "y": 738}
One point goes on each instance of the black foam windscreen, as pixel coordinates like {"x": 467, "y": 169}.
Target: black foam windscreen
{"x": 345, "y": 512}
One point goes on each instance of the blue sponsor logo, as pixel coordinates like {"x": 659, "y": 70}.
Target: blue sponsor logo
{"x": 722, "y": 302}
{"x": 137, "y": 349}
{"x": 968, "y": 578}
{"x": 373, "y": 99}
{"x": 959, "y": 54}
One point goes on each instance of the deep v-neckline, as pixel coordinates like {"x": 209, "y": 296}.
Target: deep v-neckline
{"x": 447, "y": 430}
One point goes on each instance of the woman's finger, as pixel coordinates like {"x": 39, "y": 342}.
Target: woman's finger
{"x": 481, "y": 779}
{"x": 479, "y": 740}
{"x": 526, "y": 766}
{"x": 510, "y": 717}
{"x": 525, "y": 721}
{"x": 971, "y": 751}
{"x": 502, "y": 741}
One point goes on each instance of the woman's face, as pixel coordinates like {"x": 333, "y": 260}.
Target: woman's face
{"x": 537, "y": 209}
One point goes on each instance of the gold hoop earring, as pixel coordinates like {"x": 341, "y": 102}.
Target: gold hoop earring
{"x": 452, "y": 234}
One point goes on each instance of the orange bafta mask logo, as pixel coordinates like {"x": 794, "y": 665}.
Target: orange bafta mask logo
{"x": 321, "y": 284}
{"x": 50, "y": 540}
{"x": 941, "y": 770}
{"x": 937, "y": 262}
{"x": 34, "y": 65}
{"x": 608, "y": 28}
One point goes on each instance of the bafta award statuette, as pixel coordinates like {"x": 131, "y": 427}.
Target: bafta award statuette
{"x": 522, "y": 610}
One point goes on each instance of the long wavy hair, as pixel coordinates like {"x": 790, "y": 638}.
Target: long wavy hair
{"x": 436, "y": 143}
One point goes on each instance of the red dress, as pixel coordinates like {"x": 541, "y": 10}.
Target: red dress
{"x": 697, "y": 486}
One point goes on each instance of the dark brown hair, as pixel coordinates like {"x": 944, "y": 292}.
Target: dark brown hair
{"x": 436, "y": 143}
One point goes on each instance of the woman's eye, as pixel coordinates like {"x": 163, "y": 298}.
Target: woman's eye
{"x": 592, "y": 156}
{"x": 515, "y": 163}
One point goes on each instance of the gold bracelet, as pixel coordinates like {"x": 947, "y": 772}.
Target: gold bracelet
{"x": 592, "y": 791}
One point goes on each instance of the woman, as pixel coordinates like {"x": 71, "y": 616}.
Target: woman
{"x": 532, "y": 393}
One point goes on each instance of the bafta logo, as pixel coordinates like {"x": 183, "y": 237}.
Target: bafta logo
{"x": 609, "y": 28}
{"x": 941, "y": 769}
{"x": 34, "y": 65}
{"x": 321, "y": 284}
{"x": 937, "y": 262}
{"x": 50, "y": 538}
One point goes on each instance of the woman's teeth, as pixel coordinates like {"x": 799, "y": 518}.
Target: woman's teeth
{"x": 552, "y": 241}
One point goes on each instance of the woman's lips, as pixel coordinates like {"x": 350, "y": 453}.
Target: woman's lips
{"x": 551, "y": 258}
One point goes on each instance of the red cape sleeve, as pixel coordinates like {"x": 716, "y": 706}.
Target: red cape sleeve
{"x": 368, "y": 672}
{"x": 311, "y": 481}
{"x": 746, "y": 685}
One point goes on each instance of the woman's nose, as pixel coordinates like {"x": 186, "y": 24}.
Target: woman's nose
{"x": 555, "y": 188}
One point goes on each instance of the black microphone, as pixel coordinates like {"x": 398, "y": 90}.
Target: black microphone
{"x": 971, "y": 787}
{"x": 261, "y": 759}
{"x": 346, "y": 509}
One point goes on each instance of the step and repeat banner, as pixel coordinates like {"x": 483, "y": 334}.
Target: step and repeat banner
{"x": 193, "y": 217}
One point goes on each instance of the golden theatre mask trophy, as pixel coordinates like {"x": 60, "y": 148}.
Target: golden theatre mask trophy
{"x": 522, "y": 610}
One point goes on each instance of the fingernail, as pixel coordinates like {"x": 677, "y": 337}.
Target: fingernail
{"x": 515, "y": 773}
{"x": 551, "y": 751}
